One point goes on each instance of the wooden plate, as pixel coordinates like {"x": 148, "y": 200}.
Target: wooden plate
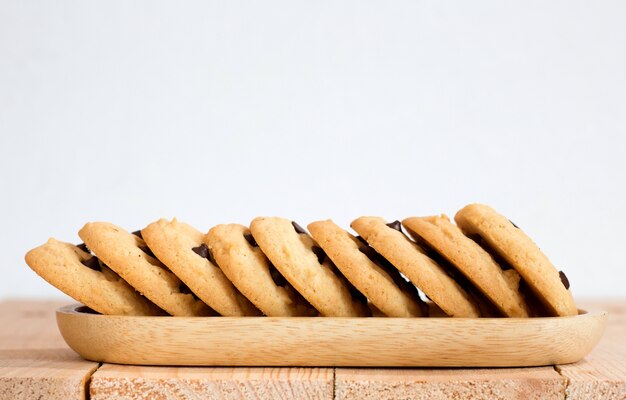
{"x": 264, "y": 341}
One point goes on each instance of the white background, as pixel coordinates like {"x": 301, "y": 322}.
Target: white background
{"x": 221, "y": 111}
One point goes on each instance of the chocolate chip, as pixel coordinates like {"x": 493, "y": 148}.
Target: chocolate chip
{"x": 92, "y": 263}
{"x": 138, "y": 234}
{"x": 395, "y": 225}
{"x": 319, "y": 252}
{"x": 184, "y": 289}
{"x": 513, "y": 223}
{"x": 297, "y": 227}
{"x": 369, "y": 252}
{"x": 564, "y": 279}
{"x": 356, "y": 295}
{"x": 250, "y": 239}
{"x": 277, "y": 277}
{"x": 147, "y": 250}
{"x": 83, "y": 247}
{"x": 202, "y": 251}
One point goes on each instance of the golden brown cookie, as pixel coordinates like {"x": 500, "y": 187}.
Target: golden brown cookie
{"x": 128, "y": 255}
{"x": 303, "y": 263}
{"x": 410, "y": 259}
{"x": 243, "y": 262}
{"x": 442, "y": 236}
{"x": 83, "y": 277}
{"x": 182, "y": 249}
{"x": 371, "y": 274}
{"x": 483, "y": 223}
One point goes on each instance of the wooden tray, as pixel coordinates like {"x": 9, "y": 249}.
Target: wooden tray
{"x": 301, "y": 341}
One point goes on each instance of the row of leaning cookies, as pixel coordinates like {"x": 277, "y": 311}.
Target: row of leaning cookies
{"x": 482, "y": 266}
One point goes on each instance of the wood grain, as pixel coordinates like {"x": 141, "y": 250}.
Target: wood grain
{"x": 43, "y": 373}
{"x": 254, "y": 341}
{"x": 35, "y": 362}
{"x": 29, "y": 324}
{"x": 602, "y": 374}
{"x": 130, "y": 382}
{"x": 501, "y": 383}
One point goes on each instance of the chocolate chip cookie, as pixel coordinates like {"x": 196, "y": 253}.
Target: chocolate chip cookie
{"x": 368, "y": 271}
{"x": 305, "y": 265}
{"x": 411, "y": 260}
{"x": 182, "y": 249}
{"x": 484, "y": 224}
{"x": 442, "y": 236}
{"x": 80, "y": 275}
{"x": 129, "y": 256}
{"x": 242, "y": 261}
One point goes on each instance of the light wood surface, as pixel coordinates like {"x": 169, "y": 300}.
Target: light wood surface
{"x": 386, "y": 342}
{"x": 130, "y": 382}
{"x": 602, "y": 373}
{"x": 433, "y": 384}
{"x": 28, "y": 336}
{"x": 29, "y": 325}
{"x": 35, "y": 362}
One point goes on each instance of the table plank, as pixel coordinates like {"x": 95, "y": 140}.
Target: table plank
{"x": 29, "y": 324}
{"x": 496, "y": 383}
{"x": 135, "y": 382}
{"x": 43, "y": 373}
{"x": 602, "y": 374}
{"x": 35, "y": 362}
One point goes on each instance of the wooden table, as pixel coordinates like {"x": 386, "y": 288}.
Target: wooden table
{"x": 36, "y": 363}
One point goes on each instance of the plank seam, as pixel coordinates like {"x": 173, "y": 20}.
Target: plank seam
{"x": 334, "y": 384}
{"x": 87, "y": 386}
{"x": 567, "y": 380}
